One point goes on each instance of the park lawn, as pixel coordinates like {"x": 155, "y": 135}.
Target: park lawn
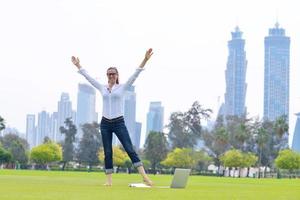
{"x": 57, "y": 185}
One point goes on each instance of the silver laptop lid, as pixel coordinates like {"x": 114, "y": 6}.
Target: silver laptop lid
{"x": 180, "y": 178}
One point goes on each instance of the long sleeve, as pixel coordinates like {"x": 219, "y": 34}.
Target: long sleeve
{"x": 95, "y": 83}
{"x": 133, "y": 77}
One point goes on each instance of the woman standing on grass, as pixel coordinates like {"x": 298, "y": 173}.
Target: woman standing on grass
{"x": 113, "y": 115}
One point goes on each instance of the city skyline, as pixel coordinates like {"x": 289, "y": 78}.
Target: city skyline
{"x": 189, "y": 41}
{"x": 49, "y": 123}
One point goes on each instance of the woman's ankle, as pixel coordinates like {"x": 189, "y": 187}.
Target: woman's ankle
{"x": 148, "y": 182}
{"x": 108, "y": 179}
{"x": 107, "y": 184}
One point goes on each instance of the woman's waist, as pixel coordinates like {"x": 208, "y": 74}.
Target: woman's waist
{"x": 115, "y": 119}
{"x": 111, "y": 112}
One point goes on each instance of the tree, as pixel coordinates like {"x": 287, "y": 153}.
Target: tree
{"x": 128, "y": 165}
{"x": 185, "y": 127}
{"x": 235, "y": 158}
{"x": 46, "y": 153}
{"x": 232, "y": 159}
{"x": 239, "y": 131}
{"x": 201, "y": 160}
{"x": 155, "y": 149}
{"x": 179, "y": 136}
{"x": 217, "y": 141}
{"x": 90, "y": 144}
{"x": 186, "y": 158}
{"x": 288, "y": 159}
{"x": 194, "y": 116}
{"x": 68, "y": 146}
{"x": 179, "y": 158}
{"x": 249, "y": 160}
{"x": 119, "y": 157}
{"x": 2, "y": 124}
{"x": 5, "y": 156}
{"x": 281, "y": 126}
{"x": 276, "y": 140}
{"x": 262, "y": 137}
{"x": 146, "y": 163}
{"x": 17, "y": 146}
{"x": 46, "y": 140}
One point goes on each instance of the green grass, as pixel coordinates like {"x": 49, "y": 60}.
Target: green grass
{"x": 55, "y": 185}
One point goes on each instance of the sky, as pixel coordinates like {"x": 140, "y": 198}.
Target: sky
{"x": 189, "y": 39}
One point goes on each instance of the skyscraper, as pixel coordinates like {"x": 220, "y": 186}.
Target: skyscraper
{"x": 155, "y": 118}
{"x": 137, "y": 136}
{"x": 296, "y": 137}
{"x": 53, "y": 126}
{"x": 64, "y": 111}
{"x": 277, "y": 74}
{"x": 43, "y": 127}
{"x": 236, "y": 76}
{"x": 86, "y": 99}
{"x": 130, "y": 111}
{"x": 30, "y": 130}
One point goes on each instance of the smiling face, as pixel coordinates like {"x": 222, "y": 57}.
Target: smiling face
{"x": 112, "y": 75}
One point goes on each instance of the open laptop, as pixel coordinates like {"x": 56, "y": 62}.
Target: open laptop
{"x": 180, "y": 179}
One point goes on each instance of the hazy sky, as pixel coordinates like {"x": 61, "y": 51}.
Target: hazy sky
{"x": 189, "y": 39}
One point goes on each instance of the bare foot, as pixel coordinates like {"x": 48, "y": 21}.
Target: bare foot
{"x": 148, "y": 182}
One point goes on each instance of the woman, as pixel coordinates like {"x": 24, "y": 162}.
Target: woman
{"x": 112, "y": 116}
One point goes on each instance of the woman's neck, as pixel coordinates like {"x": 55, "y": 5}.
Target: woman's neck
{"x": 111, "y": 84}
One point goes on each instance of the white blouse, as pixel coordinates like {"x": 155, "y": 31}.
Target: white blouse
{"x": 113, "y": 102}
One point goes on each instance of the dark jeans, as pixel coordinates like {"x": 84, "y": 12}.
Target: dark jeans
{"x": 117, "y": 126}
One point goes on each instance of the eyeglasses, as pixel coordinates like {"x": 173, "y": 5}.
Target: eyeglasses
{"x": 111, "y": 74}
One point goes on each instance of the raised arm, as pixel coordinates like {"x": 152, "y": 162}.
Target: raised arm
{"x": 131, "y": 80}
{"x": 84, "y": 73}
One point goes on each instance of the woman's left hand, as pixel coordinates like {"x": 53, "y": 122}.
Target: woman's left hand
{"x": 148, "y": 54}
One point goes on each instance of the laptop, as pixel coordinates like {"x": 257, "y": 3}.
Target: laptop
{"x": 180, "y": 179}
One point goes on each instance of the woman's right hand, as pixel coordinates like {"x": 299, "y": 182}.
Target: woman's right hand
{"x": 76, "y": 62}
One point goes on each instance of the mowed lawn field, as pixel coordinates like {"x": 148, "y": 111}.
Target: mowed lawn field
{"x": 56, "y": 185}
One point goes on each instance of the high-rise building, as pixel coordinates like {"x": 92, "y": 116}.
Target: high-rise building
{"x": 155, "y": 118}
{"x": 64, "y": 111}
{"x": 31, "y": 130}
{"x": 277, "y": 74}
{"x": 43, "y": 127}
{"x": 86, "y": 99}
{"x": 53, "y": 126}
{"x": 236, "y": 76}
{"x": 296, "y": 137}
{"x": 137, "y": 136}
{"x": 130, "y": 111}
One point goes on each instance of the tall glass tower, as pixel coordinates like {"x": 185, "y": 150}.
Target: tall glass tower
{"x": 296, "y": 137}
{"x": 86, "y": 111}
{"x": 30, "y": 130}
{"x": 155, "y": 118}
{"x": 64, "y": 111}
{"x": 277, "y": 74}
{"x": 43, "y": 127}
{"x": 236, "y": 76}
